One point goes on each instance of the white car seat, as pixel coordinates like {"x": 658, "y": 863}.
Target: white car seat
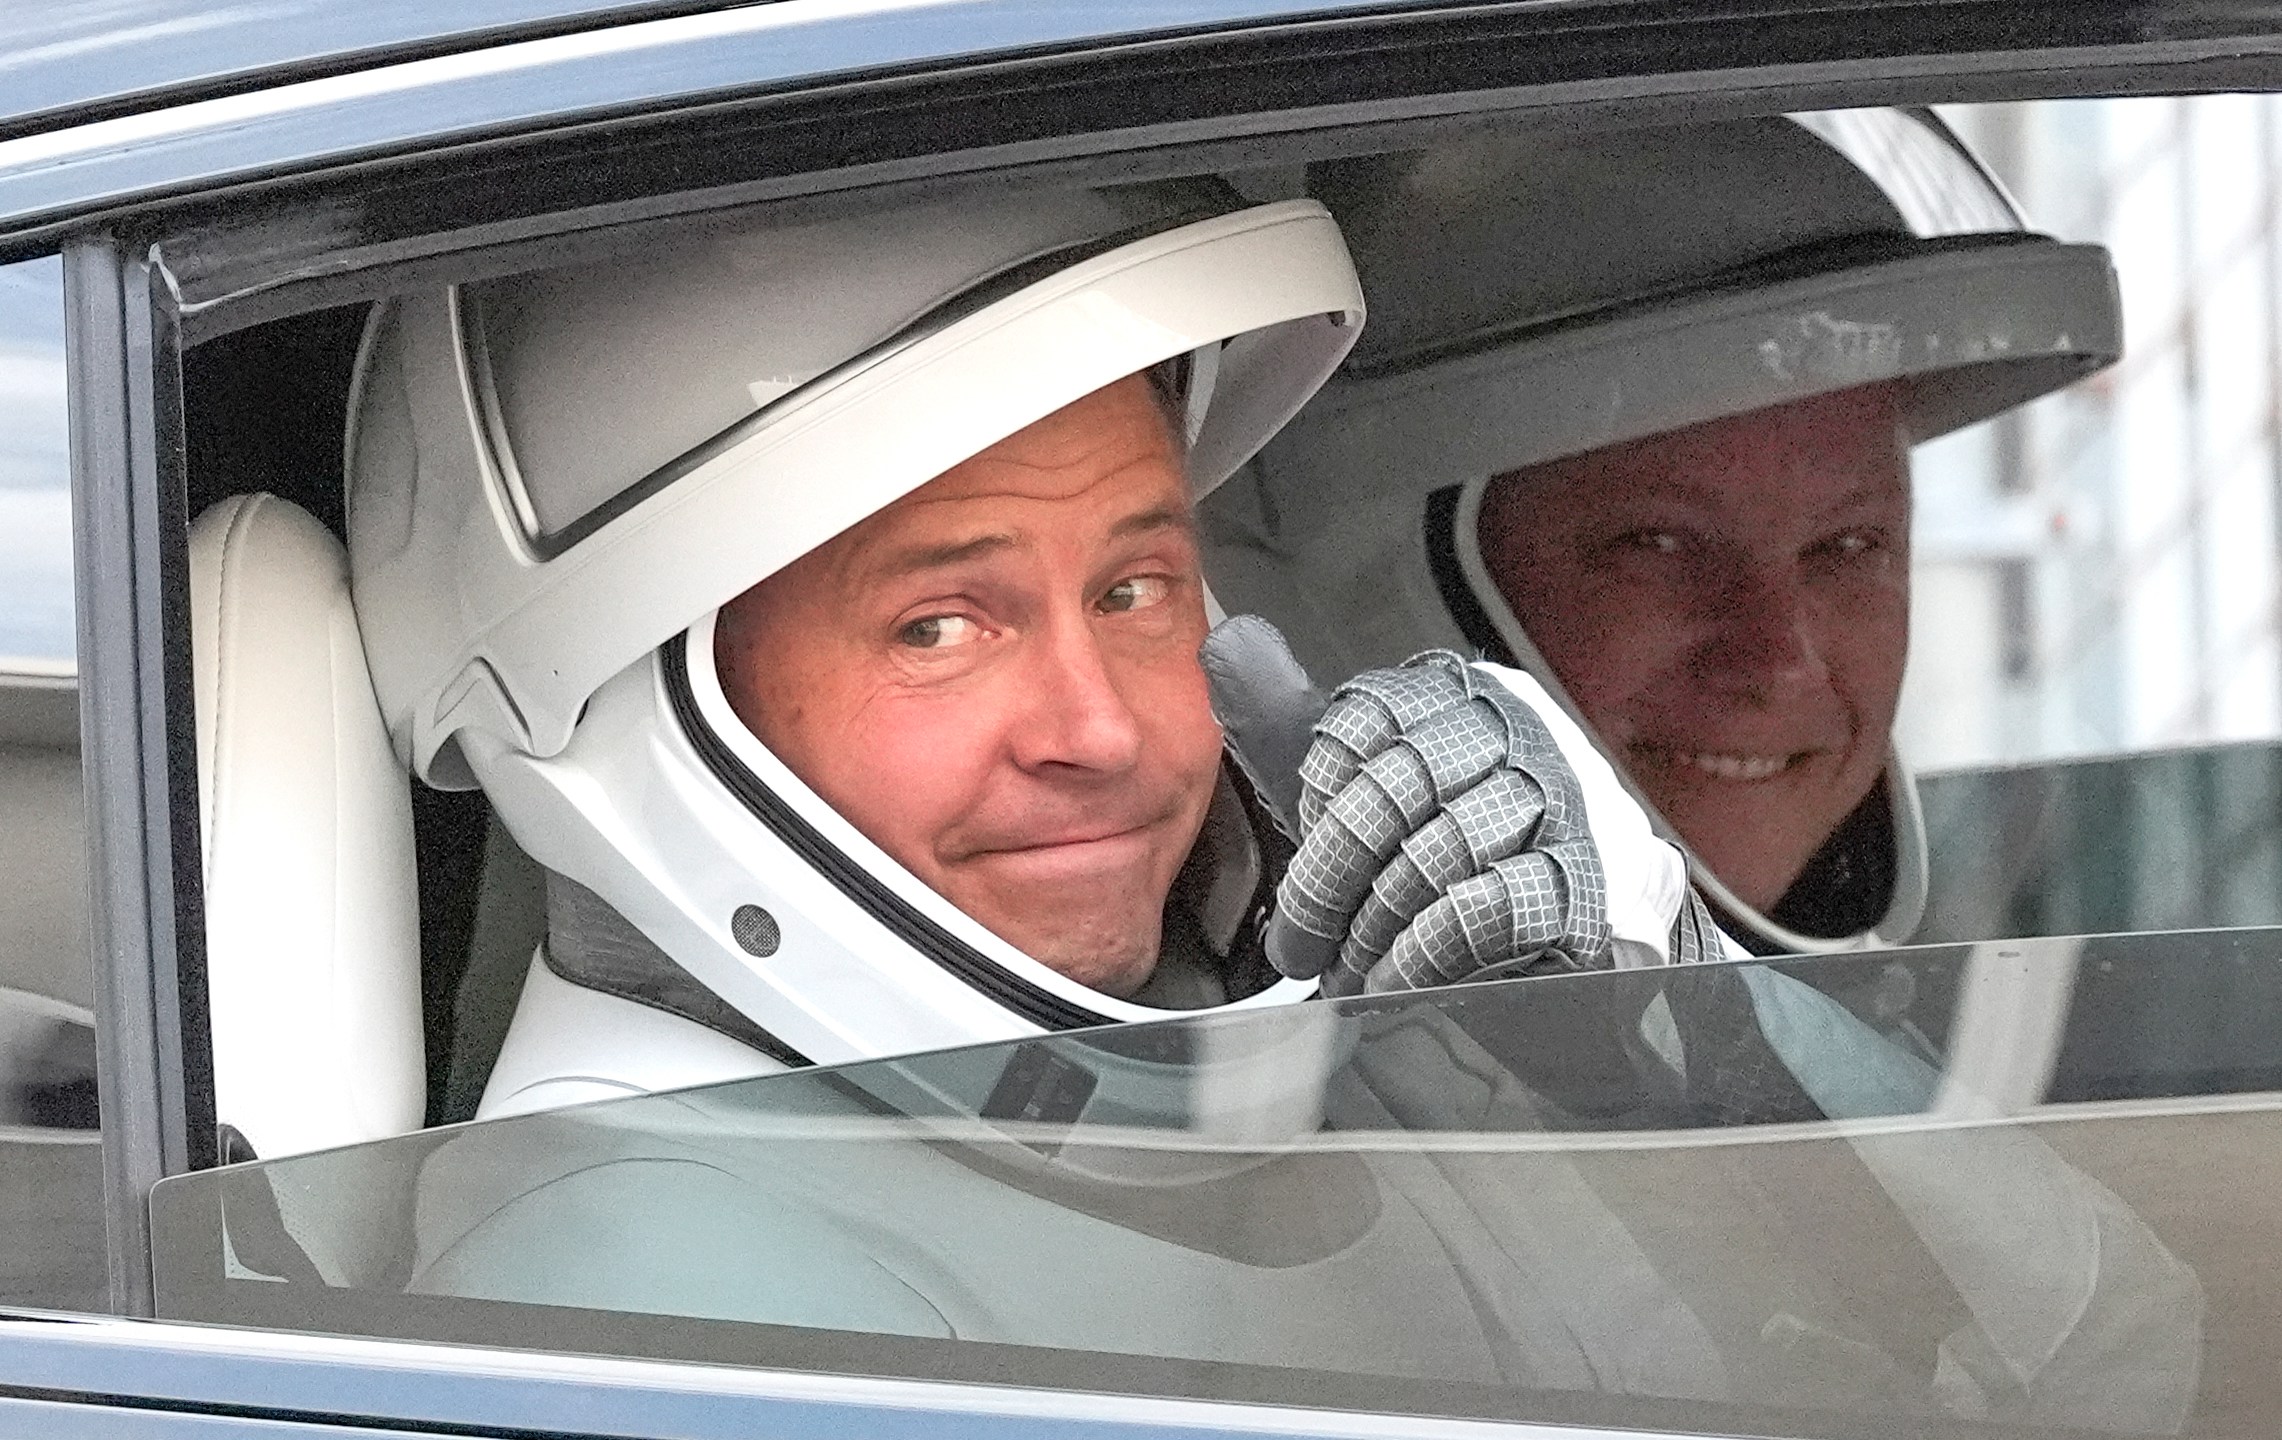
{"x": 312, "y": 910}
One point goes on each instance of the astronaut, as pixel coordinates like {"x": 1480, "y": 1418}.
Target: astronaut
{"x": 1634, "y": 412}
{"x": 820, "y": 605}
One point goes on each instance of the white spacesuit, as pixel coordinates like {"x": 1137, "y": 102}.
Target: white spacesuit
{"x": 1370, "y": 1193}
{"x": 557, "y": 480}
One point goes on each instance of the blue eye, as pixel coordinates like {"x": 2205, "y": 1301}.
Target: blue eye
{"x": 938, "y": 632}
{"x": 1138, "y": 593}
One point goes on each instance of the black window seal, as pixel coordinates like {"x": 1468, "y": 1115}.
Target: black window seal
{"x": 138, "y": 742}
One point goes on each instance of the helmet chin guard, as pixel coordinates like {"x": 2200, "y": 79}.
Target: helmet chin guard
{"x": 557, "y": 480}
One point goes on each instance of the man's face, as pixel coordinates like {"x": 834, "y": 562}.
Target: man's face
{"x": 996, "y": 680}
{"x": 1729, "y": 606}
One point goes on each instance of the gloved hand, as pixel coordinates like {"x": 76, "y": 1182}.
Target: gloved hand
{"x": 1443, "y": 831}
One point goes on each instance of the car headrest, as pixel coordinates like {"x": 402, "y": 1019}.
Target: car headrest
{"x": 312, "y": 913}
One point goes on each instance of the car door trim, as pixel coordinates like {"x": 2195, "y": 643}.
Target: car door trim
{"x": 424, "y": 1387}
{"x": 138, "y": 745}
{"x": 51, "y": 178}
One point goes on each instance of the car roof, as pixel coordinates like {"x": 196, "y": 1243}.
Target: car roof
{"x": 64, "y": 62}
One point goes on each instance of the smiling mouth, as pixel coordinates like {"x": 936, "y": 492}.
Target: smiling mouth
{"x": 1722, "y": 766}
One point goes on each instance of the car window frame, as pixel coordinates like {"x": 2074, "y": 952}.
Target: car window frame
{"x": 130, "y": 318}
{"x": 276, "y": 125}
{"x": 138, "y": 741}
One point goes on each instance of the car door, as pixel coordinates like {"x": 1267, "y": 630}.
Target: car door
{"x": 214, "y": 254}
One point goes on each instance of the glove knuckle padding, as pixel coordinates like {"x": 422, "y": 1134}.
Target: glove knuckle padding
{"x": 1535, "y": 912}
{"x": 1403, "y": 793}
{"x": 1364, "y": 787}
{"x": 1445, "y": 834}
{"x": 1418, "y": 688}
{"x": 1495, "y": 819}
{"x": 1367, "y": 715}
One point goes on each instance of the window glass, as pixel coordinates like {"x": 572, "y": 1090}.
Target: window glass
{"x": 35, "y": 470}
{"x": 2102, "y": 565}
{"x": 51, "y": 1214}
{"x": 1943, "y": 1181}
{"x": 1710, "y": 1193}
{"x": 2016, "y": 671}
{"x": 2096, "y": 692}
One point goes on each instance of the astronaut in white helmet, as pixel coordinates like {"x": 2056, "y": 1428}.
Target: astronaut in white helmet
{"x": 1634, "y": 413}
{"x": 820, "y": 604}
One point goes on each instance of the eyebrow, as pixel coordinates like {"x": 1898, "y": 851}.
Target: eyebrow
{"x": 934, "y": 557}
{"x": 1873, "y": 491}
{"x": 1163, "y": 517}
{"x": 1689, "y": 490}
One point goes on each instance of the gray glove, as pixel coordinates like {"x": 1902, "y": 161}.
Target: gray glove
{"x": 1442, "y": 834}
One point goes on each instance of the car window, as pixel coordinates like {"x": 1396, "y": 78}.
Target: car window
{"x": 1711, "y": 1193}
{"x": 35, "y": 469}
{"x": 51, "y": 1206}
{"x": 2096, "y": 705}
{"x": 2040, "y": 624}
{"x": 1772, "y": 1194}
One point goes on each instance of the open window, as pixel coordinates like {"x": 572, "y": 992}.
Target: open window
{"x": 1799, "y": 1173}
{"x": 1783, "y": 1194}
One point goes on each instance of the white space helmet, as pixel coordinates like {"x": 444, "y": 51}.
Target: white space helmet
{"x": 1535, "y": 296}
{"x": 557, "y": 479}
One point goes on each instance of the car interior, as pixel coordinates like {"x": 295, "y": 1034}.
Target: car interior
{"x": 367, "y": 937}
{"x": 2016, "y": 850}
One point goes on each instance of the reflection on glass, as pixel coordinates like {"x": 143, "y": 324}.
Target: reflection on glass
{"x": 2166, "y": 840}
{"x": 35, "y": 473}
{"x": 1664, "y": 461}
{"x": 51, "y": 1181}
{"x": 47, "y": 1064}
{"x": 2102, "y": 566}
{"x": 1784, "y": 1193}
{"x": 52, "y": 1250}
{"x": 1719, "y": 550}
